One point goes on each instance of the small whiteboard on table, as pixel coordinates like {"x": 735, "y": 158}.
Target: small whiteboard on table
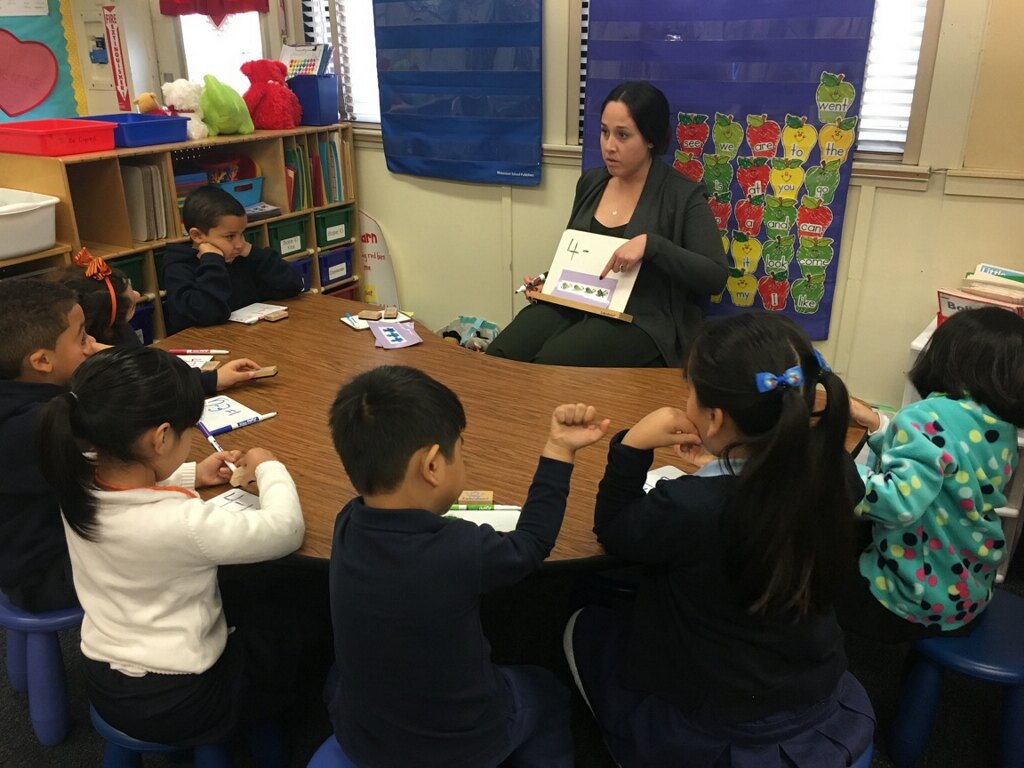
{"x": 574, "y": 277}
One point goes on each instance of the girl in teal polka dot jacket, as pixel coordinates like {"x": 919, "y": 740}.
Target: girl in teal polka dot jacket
{"x": 943, "y": 464}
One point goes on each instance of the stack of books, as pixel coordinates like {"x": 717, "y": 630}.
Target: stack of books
{"x": 987, "y": 286}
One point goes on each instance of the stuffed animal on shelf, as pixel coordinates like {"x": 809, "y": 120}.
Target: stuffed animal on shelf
{"x": 270, "y": 102}
{"x": 148, "y": 104}
{"x": 224, "y": 112}
{"x": 182, "y": 98}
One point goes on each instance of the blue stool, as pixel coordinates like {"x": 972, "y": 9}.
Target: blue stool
{"x": 35, "y": 665}
{"x": 993, "y": 652}
{"x": 864, "y": 761}
{"x": 330, "y": 755}
{"x": 122, "y": 751}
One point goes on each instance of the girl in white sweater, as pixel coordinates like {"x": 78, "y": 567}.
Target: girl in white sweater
{"x": 161, "y": 662}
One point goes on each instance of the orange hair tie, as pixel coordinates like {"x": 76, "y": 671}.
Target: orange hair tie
{"x": 98, "y": 269}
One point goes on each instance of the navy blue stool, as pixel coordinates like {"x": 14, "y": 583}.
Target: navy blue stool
{"x": 122, "y": 751}
{"x": 993, "y": 652}
{"x": 35, "y": 665}
{"x": 330, "y": 755}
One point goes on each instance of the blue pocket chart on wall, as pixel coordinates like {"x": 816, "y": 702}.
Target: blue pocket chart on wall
{"x": 460, "y": 88}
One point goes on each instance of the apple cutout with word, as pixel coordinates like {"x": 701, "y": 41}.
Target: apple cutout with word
{"x": 746, "y": 252}
{"x": 786, "y": 178}
{"x": 749, "y": 214}
{"x": 812, "y": 217}
{"x": 807, "y": 293}
{"x": 728, "y": 135}
{"x": 688, "y": 165}
{"x": 778, "y": 253}
{"x": 779, "y": 215}
{"x": 834, "y": 97}
{"x": 798, "y": 138}
{"x": 814, "y": 255}
{"x": 836, "y": 139}
{"x": 27, "y": 76}
{"x": 752, "y": 174}
{"x": 692, "y": 132}
{"x": 717, "y": 174}
{"x": 742, "y": 288}
{"x": 763, "y": 136}
{"x": 721, "y": 207}
{"x": 822, "y": 180}
{"x": 774, "y": 289}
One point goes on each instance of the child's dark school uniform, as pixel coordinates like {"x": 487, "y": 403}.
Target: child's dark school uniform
{"x": 693, "y": 678}
{"x": 415, "y": 683}
{"x": 35, "y": 571}
{"x": 204, "y": 290}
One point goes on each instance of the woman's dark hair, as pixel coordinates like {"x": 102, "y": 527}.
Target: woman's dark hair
{"x": 114, "y": 397}
{"x": 977, "y": 354}
{"x": 788, "y": 522}
{"x": 383, "y": 416}
{"x": 649, "y": 109}
{"x": 95, "y": 300}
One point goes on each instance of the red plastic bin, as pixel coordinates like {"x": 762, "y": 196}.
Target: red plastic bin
{"x": 56, "y": 136}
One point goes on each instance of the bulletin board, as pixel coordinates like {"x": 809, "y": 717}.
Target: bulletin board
{"x": 39, "y": 71}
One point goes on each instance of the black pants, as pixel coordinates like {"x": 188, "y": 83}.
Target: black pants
{"x": 48, "y": 590}
{"x": 554, "y": 335}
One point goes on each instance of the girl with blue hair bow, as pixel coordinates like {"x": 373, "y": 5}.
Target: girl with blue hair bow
{"x": 731, "y": 655}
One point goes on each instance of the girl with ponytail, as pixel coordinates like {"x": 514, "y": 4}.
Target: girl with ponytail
{"x": 732, "y": 655}
{"x": 159, "y": 663}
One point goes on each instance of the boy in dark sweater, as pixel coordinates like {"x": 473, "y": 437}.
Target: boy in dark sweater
{"x": 220, "y": 271}
{"x": 415, "y": 685}
{"x": 44, "y": 341}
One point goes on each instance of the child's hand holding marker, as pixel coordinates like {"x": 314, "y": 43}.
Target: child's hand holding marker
{"x": 216, "y": 469}
{"x": 246, "y": 472}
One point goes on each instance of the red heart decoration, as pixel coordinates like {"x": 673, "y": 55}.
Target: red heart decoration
{"x": 28, "y": 72}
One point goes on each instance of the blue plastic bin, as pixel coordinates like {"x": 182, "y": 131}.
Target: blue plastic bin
{"x": 245, "y": 191}
{"x": 304, "y": 267}
{"x": 318, "y": 95}
{"x": 335, "y": 265}
{"x": 134, "y": 130}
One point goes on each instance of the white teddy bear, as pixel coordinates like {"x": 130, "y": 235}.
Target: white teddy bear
{"x": 182, "y": 98}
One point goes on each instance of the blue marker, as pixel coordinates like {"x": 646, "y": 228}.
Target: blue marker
{"x": 216, "y": 446}
{"x": 244, "y": 422}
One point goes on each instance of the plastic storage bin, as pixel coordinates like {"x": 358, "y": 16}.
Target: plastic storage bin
{"x": 318, "y": 95}
{"x": 335, "y": 265}
{"x": 27, "y": 222}
{"x": 134, "y": 130}
{"x": 132, "y": 268}
{"x": 253, "y": 236}
{"x": 58, "y": 136}
{"x": 287, "y": 236}
{"x": 142, "y": 321}
{"x": 245, "y": 191}
{"x": 158, "y": 261}
{"x": 334, "y": 226}
{"x": 304, "y": 268}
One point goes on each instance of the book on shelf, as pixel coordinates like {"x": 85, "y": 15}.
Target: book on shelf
{"x": 261, "y": 210}
{"x": 952, "y": 301}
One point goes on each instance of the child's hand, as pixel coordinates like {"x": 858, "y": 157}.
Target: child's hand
{"x": 864, "y": 414}
{"x": 247, "y": 465}
{"x": 695, "y": 454}
{"x": 208, "y": 247}
{"x": 235, "y": 372}
{"x": 213, "y": 470}
{"x": 246, "y": 249}
{"x": 663, "y": 427}
{"x": 573, "y": 426}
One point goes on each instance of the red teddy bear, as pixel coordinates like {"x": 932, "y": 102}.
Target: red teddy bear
{"x": 271, "y": 103}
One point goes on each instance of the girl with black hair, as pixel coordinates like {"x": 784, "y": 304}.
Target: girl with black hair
{"x": 943, "y": 466}
{"x": 732, "y": 655}
{"x": 145, "y": 547}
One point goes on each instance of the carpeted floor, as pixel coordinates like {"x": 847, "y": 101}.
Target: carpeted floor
{"x": 525, "y": 625}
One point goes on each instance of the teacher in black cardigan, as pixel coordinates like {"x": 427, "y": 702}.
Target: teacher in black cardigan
{"x": 670, "y": 233}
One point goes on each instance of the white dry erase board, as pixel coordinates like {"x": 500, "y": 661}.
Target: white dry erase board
{"x": 222, "y": 411}
{"x": 574, "y": 277}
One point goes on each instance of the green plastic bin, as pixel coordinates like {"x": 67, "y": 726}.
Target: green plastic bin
{"x": 288, "y": 236}
{"x": 132, "y": 268}
{"x": 333, "y": 226}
